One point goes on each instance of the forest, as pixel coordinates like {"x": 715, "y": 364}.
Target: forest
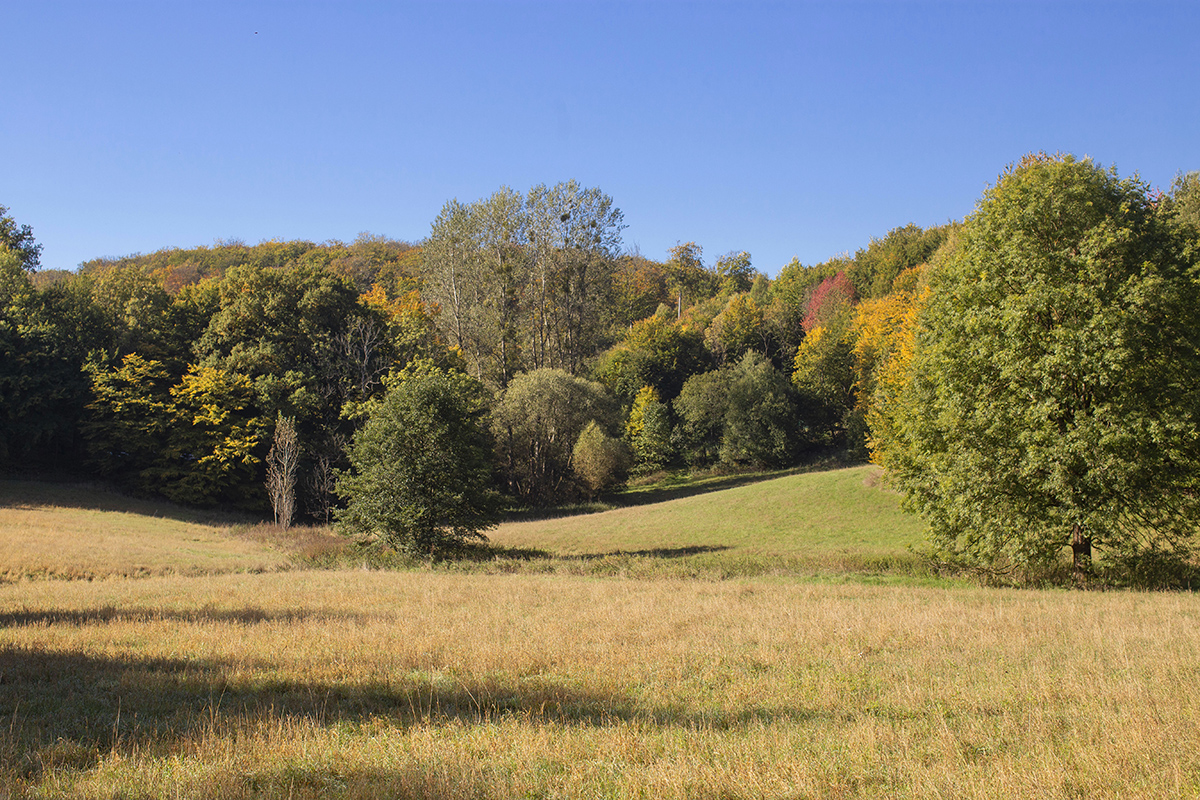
{"x": 1029, "y": 376}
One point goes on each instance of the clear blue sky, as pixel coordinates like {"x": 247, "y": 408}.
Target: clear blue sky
{"x": 785, "y": 129}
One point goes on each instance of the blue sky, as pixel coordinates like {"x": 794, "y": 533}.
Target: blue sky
{"x": 785, "y": 129}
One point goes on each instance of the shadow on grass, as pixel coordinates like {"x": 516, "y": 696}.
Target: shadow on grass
{"x": 109, "y": 614}
{"x": 663, "y": 494}
{"x": 484, "y": 553}
{"x": 66, "y": 710}
{"x": 677, "y": 486}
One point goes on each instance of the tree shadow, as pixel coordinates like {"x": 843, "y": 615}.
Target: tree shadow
{"x": 250, "y": 615}
{"x": 650, "y": 496}
{"x": 681, "y": 488}
{"x": 824, "y": 462}
{"x": 68, "y": 709}
{"x": 659, "y": 552}
{"x": 487, "y": 552}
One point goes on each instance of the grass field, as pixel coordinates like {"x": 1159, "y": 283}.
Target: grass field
{"x": 227, "y": 678}
{"x": 57, "y": 531}
{"x": 838, "y": 522}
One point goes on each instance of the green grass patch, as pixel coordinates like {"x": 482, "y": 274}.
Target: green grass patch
{"x": 833, "y": 523}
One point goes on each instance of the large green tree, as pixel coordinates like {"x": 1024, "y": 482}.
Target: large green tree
{"x": 742, "y": 414}
{"x": 420, "y": 478}
{"x": 1055, "y": 389}
{"x": 45, "y": 338}
{"x": 524, "y": 281}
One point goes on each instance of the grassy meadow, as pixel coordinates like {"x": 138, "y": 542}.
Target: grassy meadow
{"x": 242, "y": 671}
{"x": 832, "y": 524}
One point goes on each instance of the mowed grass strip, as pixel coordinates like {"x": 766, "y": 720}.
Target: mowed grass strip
{"x": 833, "y": 520}
{"x": 60, "y": 531}
{"x": 367, "y": 684}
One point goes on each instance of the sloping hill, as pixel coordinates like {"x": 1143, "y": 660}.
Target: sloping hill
{"x": 837, "y": 522}
{"x": 840, "y": 519}
{"x": 65, "y": 531}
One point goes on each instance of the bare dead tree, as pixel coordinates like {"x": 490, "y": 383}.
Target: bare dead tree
{"x": 362, "y": 349}
{"x": 282, "y": 465}
{"x": 322, "y": 479}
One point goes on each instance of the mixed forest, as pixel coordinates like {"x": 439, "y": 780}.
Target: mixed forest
{"x": 1029, "y": 377}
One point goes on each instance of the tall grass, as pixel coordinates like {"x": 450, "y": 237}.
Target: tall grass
{"x": 548, "y": 668}
{"x": 369, "y": 684}
{"x": 66, "y": 532}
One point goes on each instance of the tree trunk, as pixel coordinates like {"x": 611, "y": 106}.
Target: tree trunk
{"x": 1081, "y": 549}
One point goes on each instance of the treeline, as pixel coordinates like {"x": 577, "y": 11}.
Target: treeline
{"x": 168, "y": 372}
{"x": 580, "y": 363}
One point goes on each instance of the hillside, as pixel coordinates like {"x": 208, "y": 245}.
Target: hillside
{"x": 838, "y": 521}
{"x": 75, "y": 531}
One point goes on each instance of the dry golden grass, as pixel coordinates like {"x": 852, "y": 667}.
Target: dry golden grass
{"x": 55, "y": 531}
{"x": 422, "y": 684}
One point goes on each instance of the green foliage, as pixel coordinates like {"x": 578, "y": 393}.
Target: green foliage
{"x": 701, "y": 408}
{"x": 191, "y": 440}
{"x": 600, "y": 461}
{"x": 537, "y": 422}
{"x": 687, "y": 279}
{"x": 655, "y": 352}
{"x": 210, "y": 454}
{"x": 420, "y": 468}
{"x": 760, "y": 290}
{"x": 130, "y": 416}
{"x": 1055, "y": 394}
{"x": 302, "y": 338}
{"x": 649, "y": 431}
{"x": 823, "y": 367}
{"x": 523, "y": 281}
{"x": 138, "y": 310}
{"x": 45, "y": 338}
{"x": 639, "y": 287}
{"x": 1184, "y": 200}
{"x": 877, "y": 266}
{"x": 824, "y": 377}
{"x": 20, "y": 241}
{"x": 738, "y": 329}
{"x": 761, "y": 416}
{"x": 789, "y": 295}
{"x": 742, "y": 414}
{"x": 367, "y": 261}
{"x": 734, "y": 272}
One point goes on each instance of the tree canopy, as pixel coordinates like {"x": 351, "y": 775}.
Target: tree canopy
{"x": 1029, "y": 376}
{"x": 19, "y": 239}
{"x": 420, "y": 469}
{"x": 1055, "y": 389}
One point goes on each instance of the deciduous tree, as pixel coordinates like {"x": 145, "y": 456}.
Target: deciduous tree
{"x": 19, "y": 240}
{"x": 537, "y": 422}
{"x": 599, "y": 460}
{"x": 420, "y": 477}
{"x": 283, "y": 463}
{"x": 1055, "y": 395}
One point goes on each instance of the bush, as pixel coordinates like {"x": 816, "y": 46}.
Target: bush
{"x": 599, "y": 460}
